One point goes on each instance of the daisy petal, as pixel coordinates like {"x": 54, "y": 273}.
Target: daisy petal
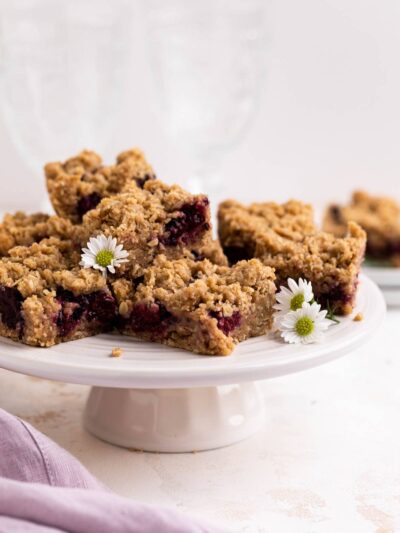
{"x": 293, "y": 285}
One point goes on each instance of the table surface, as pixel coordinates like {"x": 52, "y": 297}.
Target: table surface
{"x": 327, "y": 459}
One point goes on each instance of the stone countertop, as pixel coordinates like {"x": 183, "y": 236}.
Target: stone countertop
{"x": 327, "y": 459}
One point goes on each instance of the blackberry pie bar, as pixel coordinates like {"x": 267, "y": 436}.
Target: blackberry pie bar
{"x": 285, "y": 238}
{"x": 46, "y": 299}
{"x": 156, "y": 219}
{"x": 196, "y": 305}
{"x": 378, "y": 216}
{"x": 20, "y": 229}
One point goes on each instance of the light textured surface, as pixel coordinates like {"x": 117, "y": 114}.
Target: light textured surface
{"x": 327, "y": 459}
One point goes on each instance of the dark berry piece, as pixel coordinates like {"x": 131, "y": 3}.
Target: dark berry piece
{"x": 102, "y": 307}
{"x": 187, "y": 225}
{"x": 141, "y": 181}
{"x": 69, "y": 314}
{"x": 197, "y": 256}
{"x": 151, "y": 317}
{"x": 394, "y": 247}
{"x": 97, "y": 306}
{"x": 227, "y": 323}
{"x": 86, "y": 203}
{"x": 336, "y": 214}
{"x": 10, "y": 307}
{"x": 137, "y": 281}
{"x": 237, "y": 253}
{"x": 337, "y": 295}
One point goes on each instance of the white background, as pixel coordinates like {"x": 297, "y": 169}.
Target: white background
{"x": 328, "y": 121}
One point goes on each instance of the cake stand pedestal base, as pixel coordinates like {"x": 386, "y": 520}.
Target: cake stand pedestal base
{"x": 175, "y": 420}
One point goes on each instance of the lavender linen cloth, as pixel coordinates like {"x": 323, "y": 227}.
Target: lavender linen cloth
{"x": 43, "y": 489}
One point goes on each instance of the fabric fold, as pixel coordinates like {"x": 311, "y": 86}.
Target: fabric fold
{"x": 44, "y": 489}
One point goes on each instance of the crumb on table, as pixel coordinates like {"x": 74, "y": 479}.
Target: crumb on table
{"x": 358, "y": 317}
{"x": 116, "y": 352}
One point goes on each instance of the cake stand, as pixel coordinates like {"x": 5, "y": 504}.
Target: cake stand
{"x": 388, "y": 279}
{"x": 157, "y": 398}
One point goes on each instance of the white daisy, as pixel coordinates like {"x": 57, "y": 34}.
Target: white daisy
{"x": 292, "y": 298}
{"x": 103, "y": 253}
{"x": 305, "y": 325}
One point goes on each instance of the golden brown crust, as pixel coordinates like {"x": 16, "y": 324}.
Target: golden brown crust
{"x": 285, "y": 238}
{"x": 23, "y": 229}
{"x": 210, "y": 249}
{"x": 82, "y": 181}
{"x": 379, "y": 216}
{"x": 292, "y": 219}
{"x": 48, "y": 265}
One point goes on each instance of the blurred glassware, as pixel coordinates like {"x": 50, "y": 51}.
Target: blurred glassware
{"x": 63, "y": 65}
{"x": 208, "y": 58}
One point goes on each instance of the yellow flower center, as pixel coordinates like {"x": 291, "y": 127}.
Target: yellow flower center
{"x": 104, "y": 258}
{"x": 304, "y": 326}
{"x": 297, "y": 301}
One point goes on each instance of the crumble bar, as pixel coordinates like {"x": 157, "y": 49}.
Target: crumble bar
{"x": 378, "y": 216}
{"x": 45, "y": 299}
{"x": 21, "y": 229}
{"x": 155, "y": 219}
{"x": 284, "y": 237}
{"x": 196, "y": 305}
{"x": 78, "y": 185}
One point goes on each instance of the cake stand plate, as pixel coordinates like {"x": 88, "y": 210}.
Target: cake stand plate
{"x": 157, "y": 398}
{"x": 388, "y": 279}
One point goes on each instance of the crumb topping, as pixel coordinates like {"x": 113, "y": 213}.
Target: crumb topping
{"x": 78, "y": 185}
{"x": 286, "y": 238}
{"x": 379, "y": 216}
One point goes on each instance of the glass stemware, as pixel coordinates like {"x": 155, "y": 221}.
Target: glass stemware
{"x": 62, "y": 75}
{"x": 208, "y": 62}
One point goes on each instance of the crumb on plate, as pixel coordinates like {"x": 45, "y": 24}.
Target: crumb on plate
{"x": 358, "y": 317}
{"x": 116, "y": 352}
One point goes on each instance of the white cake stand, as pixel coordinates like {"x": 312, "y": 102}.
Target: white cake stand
{"x": 388, "y": 280}
{"x": 156, "y": 398}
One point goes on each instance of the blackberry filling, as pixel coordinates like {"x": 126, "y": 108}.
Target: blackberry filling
{"x": 227, "y": 323}
{"x": 394, "y": 247}
{"x": 336, "y": 214}
{"x": 185, "y": 227}
{"x": 197, "y": 256}
{"x": 338, "y": 295}
{"x": 97, "y": 306}
{"x": 137, "y": 281}
{"x": 86, "y": 203}
{"x": 102, "y": 308}
{"x": 10, "y": 307}
{"x": 150, "y": 317}
{"x": 383, "y": 252}
{"x": 237, "y": 253}
{"x": 141, "y": 181}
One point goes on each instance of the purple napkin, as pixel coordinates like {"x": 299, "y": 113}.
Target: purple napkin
{"x": 43, "y": 489}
